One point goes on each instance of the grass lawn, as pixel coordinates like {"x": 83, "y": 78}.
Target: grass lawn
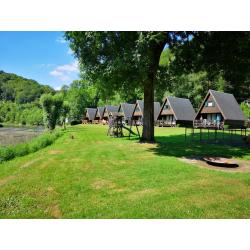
{"x": 95, "y": 176}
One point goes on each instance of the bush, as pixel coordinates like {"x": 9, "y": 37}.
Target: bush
{"x": 8, "y": 153}
{"x": 72, "y": 123}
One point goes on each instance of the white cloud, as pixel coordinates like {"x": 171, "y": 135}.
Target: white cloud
{"x": 63, "y": 72}
{"x": 56, "y": 73}
{"x": 61, "y": 40}
{"x": 72, "y": 67}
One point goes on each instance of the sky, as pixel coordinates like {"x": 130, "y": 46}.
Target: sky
{"x": 41, "y": 56}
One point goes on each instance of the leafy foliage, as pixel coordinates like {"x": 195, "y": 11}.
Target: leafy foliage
{"x": 51, "y": 109}
{"x": 246, "y": 109}
{"x": 24, "y": 114}
{"x": 8, "y": 153}
{"x": 80, "y": 95}
{"x": 218, "y": 53}
{"x": 124, "y": 62}
{"x": 20, "y": 90}
{"x": 65, "y": 109}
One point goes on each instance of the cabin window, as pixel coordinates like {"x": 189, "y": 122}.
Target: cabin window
{"x": 209, "y": 104}
{"x": 166, "y": 107}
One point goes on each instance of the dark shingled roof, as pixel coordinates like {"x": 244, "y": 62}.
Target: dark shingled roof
{"x": 100, "y": 111}
{"x": 91, "y": 113}
{"x": 111, "y": 109}
{"x": 141, "y": 105}
{"x": 182, "y": 108}
{"x": 157, "y": 108}
{"x": 127, "y": 109}
{"x": 227, "y": 104}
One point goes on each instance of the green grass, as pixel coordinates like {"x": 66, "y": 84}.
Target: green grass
{"x": 95, "y": 176}
{"x": 42, "y": 141}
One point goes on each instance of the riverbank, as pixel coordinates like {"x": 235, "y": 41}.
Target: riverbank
{"x": 31, "y": 146}
{"x": 10, "y": 136}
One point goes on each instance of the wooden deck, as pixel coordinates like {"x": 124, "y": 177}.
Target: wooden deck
{"x": 208, "y": 124}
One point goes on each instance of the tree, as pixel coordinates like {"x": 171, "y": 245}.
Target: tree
{"x": 80, "y": 95}
{"x": 51, "y": 109}
{"x": 245, "y": 106}
{"x": 218, "y": 53}
{"x": 124, "y": 61}
{"x": 64, "y": 113}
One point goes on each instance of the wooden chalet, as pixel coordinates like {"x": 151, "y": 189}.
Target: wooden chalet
{"x": 99, "y": 114}
{"x": 125, "y": 111}
{"x": 109, "y": 111}
{"x": 90, "y": 114}
{"x": 139, "y": 110}
{"x": 219, "y": 109}
{"x": 176, "y": 111}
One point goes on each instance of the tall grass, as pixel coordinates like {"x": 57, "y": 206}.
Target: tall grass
{"x": 42, "y": 141}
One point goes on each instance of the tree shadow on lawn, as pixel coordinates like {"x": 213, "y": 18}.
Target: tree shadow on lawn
{"x": 177, "y": 146}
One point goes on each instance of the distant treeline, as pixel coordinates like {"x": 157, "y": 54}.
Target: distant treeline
{"x": 20, "y": 90}
{"x": 19, "y": 99}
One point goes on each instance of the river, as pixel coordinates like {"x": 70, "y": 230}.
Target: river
{"x": 15, "y": 135}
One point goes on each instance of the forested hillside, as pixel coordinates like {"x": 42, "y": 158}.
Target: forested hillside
{"x": 19, "y": 99}
{"x": 18, "y": 89}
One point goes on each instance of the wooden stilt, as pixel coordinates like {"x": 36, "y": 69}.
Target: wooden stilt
{"x": 138, "y": 131}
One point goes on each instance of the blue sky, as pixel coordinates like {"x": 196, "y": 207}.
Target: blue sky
{"x": 42, "y": 56}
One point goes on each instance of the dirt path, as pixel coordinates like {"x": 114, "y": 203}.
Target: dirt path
{"x": 244, "y": 166}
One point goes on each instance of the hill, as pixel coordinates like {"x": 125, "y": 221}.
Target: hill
{"x": 21, "y": 90}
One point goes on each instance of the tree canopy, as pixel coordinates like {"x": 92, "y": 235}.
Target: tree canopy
{"x": 124, "y": 62}
{"x": 218, "y": 53}
{"x": 19, "y": 89}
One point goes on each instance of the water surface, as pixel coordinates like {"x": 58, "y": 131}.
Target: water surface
{"x": 16, "y": 135}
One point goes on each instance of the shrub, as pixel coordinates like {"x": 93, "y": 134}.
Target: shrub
{"x": 6, "y": 154}
{"x": 75, "y": 122}
{"x": 46, "y": 139}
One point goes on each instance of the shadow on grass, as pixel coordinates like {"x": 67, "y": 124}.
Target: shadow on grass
{"x": 177, "y": 146}
{"x": 192, "y": 147}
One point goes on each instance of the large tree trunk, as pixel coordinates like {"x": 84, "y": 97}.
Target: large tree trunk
{"x": 148, "y": 113}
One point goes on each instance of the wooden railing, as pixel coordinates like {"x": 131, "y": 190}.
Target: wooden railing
{"x": 167, "y": 123}
{"x": 208, "y": 124}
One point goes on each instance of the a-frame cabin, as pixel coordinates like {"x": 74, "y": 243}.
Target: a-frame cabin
{"x": 109, "y": 111}
{"x": 99, "y": 114}
{"x": 125, "y": 111}
{"x": 176, "y": 111}
{"x": 89, "y": 115}
{"x": 219, "y": 109}
{"x": 139, "y": 111}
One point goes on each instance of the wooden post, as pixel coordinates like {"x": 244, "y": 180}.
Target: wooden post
{"x": 137, "y": 131}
